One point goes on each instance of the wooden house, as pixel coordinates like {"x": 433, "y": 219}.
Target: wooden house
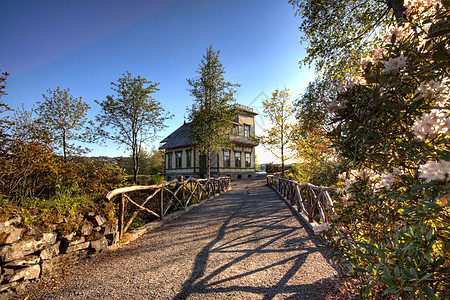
{"x": 237, "y": 161}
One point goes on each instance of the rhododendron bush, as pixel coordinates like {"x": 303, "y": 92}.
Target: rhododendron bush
{"x": 390, "y": 230}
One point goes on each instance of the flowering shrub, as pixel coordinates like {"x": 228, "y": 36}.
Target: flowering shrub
{"x": 391, "y": 228}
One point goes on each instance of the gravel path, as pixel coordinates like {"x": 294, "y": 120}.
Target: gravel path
{"x": 245, "y": 244}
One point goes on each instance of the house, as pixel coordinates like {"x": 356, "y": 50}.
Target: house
{"x": 237, "y": 161}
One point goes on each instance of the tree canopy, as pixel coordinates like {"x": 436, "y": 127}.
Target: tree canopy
{"x": 280, "y": 137}
{"x": 131, "y": 117}
{"x": 340, "y": 32}
{"x": 63, "y": 116}
{"x": 213, "y": 110}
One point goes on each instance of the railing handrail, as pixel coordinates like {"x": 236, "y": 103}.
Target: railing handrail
{"x": 321, "y": 188}
{"x": 310, "y": 199}
{"x": 200, "y": 187}
{"x": 134, "y": 188}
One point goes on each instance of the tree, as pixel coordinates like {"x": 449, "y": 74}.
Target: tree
{"x": 5, "y": 124}
{"x": 280, "y": 136}
{"x": 63, "y": 116}
{"x": 151, "y": 162}
{"x": 315, "y": 156}
{"x": 340, "y": 32}
{"x": 213, "y": 110}
{"x": 133, "y": 116}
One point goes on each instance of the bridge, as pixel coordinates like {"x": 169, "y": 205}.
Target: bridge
{"x": 247, "y": 243}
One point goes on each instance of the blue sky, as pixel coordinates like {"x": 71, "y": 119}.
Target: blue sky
{"x": 86, "y": 45}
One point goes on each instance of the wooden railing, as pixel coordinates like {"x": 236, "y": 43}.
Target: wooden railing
{"x": 158, "y": 200}
{"x": 314, "y": 203}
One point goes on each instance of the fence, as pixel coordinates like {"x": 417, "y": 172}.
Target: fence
{"x": 164, "y": 197}
{"x": 314, "y": 203}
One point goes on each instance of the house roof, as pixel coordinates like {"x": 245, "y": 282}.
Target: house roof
{"x": 178, "y": 138}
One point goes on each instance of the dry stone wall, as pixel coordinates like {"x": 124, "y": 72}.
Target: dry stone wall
{"x": 29, "y": 252}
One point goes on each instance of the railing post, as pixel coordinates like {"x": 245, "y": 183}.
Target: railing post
{"x": 182, "y": 191}
{"x": 161, "y": 216}
{"x": 121, "y": 213}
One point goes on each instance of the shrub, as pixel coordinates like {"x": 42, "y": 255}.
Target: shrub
{"x": 391, "y": 228}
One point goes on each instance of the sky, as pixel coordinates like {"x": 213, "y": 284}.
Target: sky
{"x": 85, "y": 45}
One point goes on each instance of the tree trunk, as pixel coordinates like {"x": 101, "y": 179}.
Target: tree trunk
{"x": 282, "y": 160}
{"x": 64, "y": 145}
{"x": 135, "y": 164}
{"x": 208, "y": 164}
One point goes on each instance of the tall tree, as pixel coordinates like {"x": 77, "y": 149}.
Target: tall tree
{"x": 279, "y": 138}
{"x": 213, "y": 110}
{"x": 132, "y": 115}
{"x": 339, "y": 32}
{"x": 64, "y": 117}
{"x": 315, "y": 156}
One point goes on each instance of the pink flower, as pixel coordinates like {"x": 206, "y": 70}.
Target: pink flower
{"x": 393, "y": 65}
{"x": 432, "y": 124}
{"x": 434, "y": 170}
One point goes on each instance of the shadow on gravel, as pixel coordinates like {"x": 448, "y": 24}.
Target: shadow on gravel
{"x": 264, "y": 223}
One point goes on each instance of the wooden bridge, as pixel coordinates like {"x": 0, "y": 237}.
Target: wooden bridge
{"x": 245, "y": 244}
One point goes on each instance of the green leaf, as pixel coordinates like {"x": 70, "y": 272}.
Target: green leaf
{"x": 441, "y": 32}
{"x": 414, "y": 272}
{"x": 427, "y": 255}
{"x": 397, "y": 271}
{"x": 445, "y": 270}
{"x": 426, "y": 276}
{"x": 429, "y": 292}
{"x": 387, "y": 279}
{"x": 389, "y": 290}
{"x": 408, "y": 289}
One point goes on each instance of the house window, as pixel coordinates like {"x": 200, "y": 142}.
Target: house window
{"x": 247, "y": 131}
{"x": 235, "y": 130}
{"x": 188, "y": 158}
{"x": 237, "y": 159}
{"x": 178, "y": 159}
{"x": 226, "y": 159}
{"x": 248, "y": 160}
{"x": 169, "y": 160}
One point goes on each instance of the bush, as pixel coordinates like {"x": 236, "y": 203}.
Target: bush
{"x": 391, "y": 228}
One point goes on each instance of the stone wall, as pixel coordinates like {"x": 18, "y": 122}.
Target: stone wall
{"x": 30, "y": 252}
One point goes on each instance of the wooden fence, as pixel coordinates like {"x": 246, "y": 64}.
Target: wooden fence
{"x": 158, "y": 200}
{"x": 314, "y": 203}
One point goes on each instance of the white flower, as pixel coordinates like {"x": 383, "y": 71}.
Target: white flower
{"x": 419, "y": 5}
{"x": 431, "y": 124}
{"x": 397, "y": 31}
{"x": 321, "y": 227}
{"x": 434, "y": 170}
{"x": 437, "y": 91}
{"x": 392, "y": 65}
{"x": 378, "y": 53}
{"x": 387, "y": 179}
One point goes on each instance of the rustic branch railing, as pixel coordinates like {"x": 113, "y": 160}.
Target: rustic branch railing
{"x": 167, "y": 196}
{"x": 312, "y": 201}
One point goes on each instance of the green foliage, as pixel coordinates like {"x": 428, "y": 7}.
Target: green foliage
{"x": 316, "y": 159}
{"x": 213, "y": 110}
{"x": 279, "y": 138}
{"x": 63, "y": 116}
{"x": 5, "y": 124}
{"x": 322, "y": 173}
{"x": 132, "y": 115}
{"x": 338, "y": 32}
{"x": 150, "y": 162}
{"x": 391, "y": 228}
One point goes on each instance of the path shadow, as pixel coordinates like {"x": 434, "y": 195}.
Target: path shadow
{"x": 266, "y": 223}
